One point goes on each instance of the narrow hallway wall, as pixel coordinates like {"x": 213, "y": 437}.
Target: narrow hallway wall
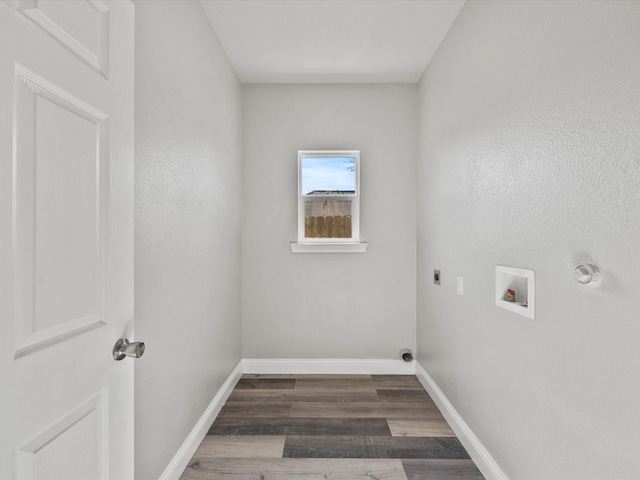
{"x": 187, "y": 225}
{"x": 530, "y": 157}
{"x": 329, "y": 305}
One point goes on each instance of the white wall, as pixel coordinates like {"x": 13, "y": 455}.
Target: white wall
{"x": 358, "y": 306}
{"x": 530, "y": 157}
{"x": 187, "y": 234}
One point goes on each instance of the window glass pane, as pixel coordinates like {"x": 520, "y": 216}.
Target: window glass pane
{"x": 327, "y": 219}
{"x": 328, "y": 175}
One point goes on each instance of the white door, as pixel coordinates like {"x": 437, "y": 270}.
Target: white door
{"x": 66, "y": 238}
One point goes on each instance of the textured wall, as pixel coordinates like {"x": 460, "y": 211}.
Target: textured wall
{"x": 187, "y": 226}
{"x": 329, "y": 305}
{"x": 530, "y": 157}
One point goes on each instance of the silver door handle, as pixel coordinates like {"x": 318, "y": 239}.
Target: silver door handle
{"x": 123, "y": 348}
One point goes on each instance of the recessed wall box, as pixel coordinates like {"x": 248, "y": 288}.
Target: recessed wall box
{"x": 515, "y": 290}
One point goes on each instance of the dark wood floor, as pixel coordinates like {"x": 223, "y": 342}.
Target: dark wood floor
{"x": 330, "y": 427}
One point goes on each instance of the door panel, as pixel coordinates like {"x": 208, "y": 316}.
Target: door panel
{"x": 60, "y": 166}
{"x": 81, "y": 26}
{"x": 66, "y": 238}
{"x": 83, "y": 431}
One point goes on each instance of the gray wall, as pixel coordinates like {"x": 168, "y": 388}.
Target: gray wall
{"x": 530, "y": 157}
{"x": 329, "y": 305}
{"x": 187, "y": 234}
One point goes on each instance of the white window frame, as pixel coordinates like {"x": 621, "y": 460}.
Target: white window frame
{"x": 314, "y": 245}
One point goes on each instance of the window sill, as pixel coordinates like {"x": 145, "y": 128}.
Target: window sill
{"x": 329, "y": 247}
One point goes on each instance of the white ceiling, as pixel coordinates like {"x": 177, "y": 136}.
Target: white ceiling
{"x": 331, "y": 41}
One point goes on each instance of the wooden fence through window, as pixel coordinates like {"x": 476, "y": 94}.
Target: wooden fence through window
{"x": 327, "y": 227}
{"x": 327, "y": 219}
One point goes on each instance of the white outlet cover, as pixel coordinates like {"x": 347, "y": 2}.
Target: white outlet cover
{"x": 460, "y": 286}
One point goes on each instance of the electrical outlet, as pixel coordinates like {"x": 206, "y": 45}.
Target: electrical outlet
{"x": 460, "y": 286}
{"x": 436, "y": 277}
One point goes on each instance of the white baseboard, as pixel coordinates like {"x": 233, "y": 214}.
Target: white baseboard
{"x": 181, "y": 459}
{"x": 482, "y": 458}
{"x": 328, "y": 366}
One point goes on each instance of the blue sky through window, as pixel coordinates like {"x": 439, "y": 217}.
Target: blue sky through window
{"x": 328, "y": 173}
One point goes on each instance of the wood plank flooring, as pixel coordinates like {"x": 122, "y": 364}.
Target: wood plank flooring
{"x": 330, "y": 427}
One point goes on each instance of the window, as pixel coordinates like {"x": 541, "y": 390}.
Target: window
{"x": 329, "y": 198}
